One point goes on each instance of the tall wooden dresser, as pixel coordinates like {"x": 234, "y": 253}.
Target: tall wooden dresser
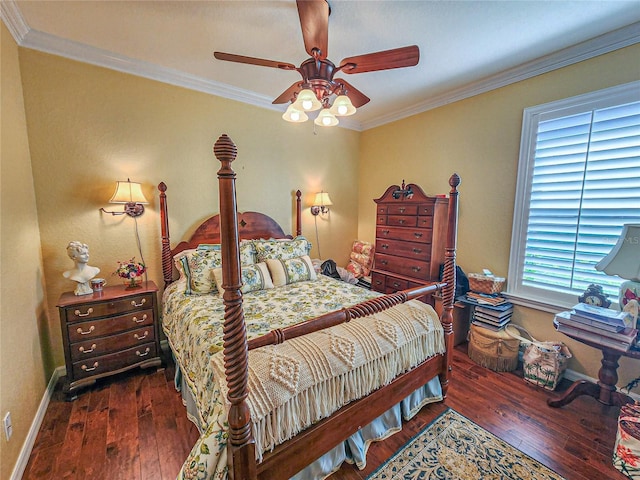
{"x": 411, "y": 229}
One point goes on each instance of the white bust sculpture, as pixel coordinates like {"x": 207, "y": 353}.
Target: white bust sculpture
{"x": 81, "y": 272}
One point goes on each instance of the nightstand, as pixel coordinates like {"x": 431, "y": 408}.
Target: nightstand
{"x": 108, "y": 332}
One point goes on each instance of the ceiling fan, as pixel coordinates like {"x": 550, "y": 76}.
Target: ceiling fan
{"x": 318, "y": 84}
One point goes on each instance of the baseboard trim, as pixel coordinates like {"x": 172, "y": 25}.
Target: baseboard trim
{"x": 572, "y": 376}
{"x": 27, "y": 446}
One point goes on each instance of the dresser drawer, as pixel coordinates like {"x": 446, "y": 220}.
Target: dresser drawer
{"x": 426, "y": 209}
{"x": 377, "y": 282}
{"x": 406, "y": 234}
{"x": 425, "y": 222}
{"x": 402, "y": 220}
{"x": 402, "y": 209}
{"x": 403, "y": 266}
{"x": 86, "y": 311}
{"x": 419, "y": 251}
{"x": 115, "y": 361}
{"x": 79, "y": 332}
{"x": 393, "y": 284}
{"x": 104, "y": 345}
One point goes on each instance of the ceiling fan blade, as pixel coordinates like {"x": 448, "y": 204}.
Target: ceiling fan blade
{"x": 314, "y": 20}
{"x": 289, "y": 93}
{"x": 356, "y": 96}
{"x": 385, "y": 60}
{"x": 230, "y": 57}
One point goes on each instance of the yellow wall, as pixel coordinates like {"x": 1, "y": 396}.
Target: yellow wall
{"x": 23, "y": 319}
{"x": 90, "y": 126}
{"x": 479, "y": 138}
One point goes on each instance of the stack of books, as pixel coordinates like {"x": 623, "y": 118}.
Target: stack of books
{"x": 599, "y": 325}
{"x": 484, "y": 299}
{"x": 494, "y": 317}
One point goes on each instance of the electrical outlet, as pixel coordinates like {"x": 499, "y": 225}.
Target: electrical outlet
{"x": 8, "y": 428}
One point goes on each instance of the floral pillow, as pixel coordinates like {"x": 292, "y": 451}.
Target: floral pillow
{"x": 284, "y": 272}
{"x": 197, "y": 266}
{"x": 247, "y": 251}
{"x": 281, "y": 249}
{"x": 253, "y": 277}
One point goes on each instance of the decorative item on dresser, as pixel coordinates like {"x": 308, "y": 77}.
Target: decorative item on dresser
{"x": 410, "y": 238}
{"x": 109, "y": 332}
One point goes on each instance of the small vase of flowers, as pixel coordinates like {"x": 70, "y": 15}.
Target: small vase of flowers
{"x": 131, "y": 272}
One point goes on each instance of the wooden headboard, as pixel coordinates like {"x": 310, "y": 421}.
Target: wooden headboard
{"x": 251, "y": 225}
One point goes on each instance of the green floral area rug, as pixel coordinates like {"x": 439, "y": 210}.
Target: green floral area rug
{"x": 453, "y": 447}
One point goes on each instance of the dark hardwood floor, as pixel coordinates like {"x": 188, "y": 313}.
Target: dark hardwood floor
{"x": 133, "y": 426}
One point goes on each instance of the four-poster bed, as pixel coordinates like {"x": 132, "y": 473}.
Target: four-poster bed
{"x": 248, "y": 379}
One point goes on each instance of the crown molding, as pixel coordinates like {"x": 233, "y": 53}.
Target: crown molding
{"x": 34, "y": 39}
{"x": 614, "y": 40}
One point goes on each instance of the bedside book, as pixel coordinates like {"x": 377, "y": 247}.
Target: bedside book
{"x": 620, "y": 344}
{"x": 604, "y": 315}
{"x": 583, "y": 323}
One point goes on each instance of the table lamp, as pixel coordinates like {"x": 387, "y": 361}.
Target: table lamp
{"x": 624, "y": 261}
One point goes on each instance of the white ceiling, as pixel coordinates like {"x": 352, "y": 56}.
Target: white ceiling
{"x": 466, "y": 47}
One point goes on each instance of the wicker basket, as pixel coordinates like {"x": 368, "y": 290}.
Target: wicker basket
{"x": 485, "y": 284}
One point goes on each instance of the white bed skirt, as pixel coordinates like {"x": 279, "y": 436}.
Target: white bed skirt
{"x": 354, "y": 449}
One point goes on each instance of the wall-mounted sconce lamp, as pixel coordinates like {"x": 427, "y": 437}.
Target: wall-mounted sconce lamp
{"x": 130, "y": 194}
{"x": 321, "y": 203}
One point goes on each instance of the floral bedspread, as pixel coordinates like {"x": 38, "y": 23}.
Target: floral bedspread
{"x": 194, "y": 341}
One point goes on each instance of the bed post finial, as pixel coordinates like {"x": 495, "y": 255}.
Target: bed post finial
{"x": 449, "y": 275}
{"x": 241, "y": 446}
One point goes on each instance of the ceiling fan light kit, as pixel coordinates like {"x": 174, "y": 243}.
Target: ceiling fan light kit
{"x": 318, "y": 85}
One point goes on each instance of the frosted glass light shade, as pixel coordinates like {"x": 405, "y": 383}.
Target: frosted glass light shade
{"x": 307, "y": 101}
{"x": 326, "y": 119}
{"x": 342, "y": 106}
{"x": 128, "y": 192}
{"x": 294, "y": 115}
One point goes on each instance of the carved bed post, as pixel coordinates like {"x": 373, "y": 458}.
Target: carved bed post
{"x": 241, "y": 444}
{"x": 166, "y": 246}
{"x": 298, "y": 213}
{"x": 449, "y": 274}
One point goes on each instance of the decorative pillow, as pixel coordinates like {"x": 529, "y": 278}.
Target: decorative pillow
{"x": 253, "y": 277}
{"x": 177, "y": 261}
{"x": 198, "y": 268}
{"x": 282, "y": 249}
{"x": 284, "y": 272}
{"x": 247, "y": 251}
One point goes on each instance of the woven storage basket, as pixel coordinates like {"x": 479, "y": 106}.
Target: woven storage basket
{"x": 485, "y": 284}
{"x": 497, "y": 351}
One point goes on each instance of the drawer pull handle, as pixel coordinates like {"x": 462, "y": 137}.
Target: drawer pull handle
{"x": 396, "y": 284}
{"x": 384, "y": 262}
{"x": 385, "y": 246}
{"x": 378, "y": 282}
{"x": 385, "y": 232}
{"x": 402, "y": 209}
{"x": 144, "y": 317}
{"x": 78, "y": 314}
{"x": 137, "y": 337}
{"x": 82, "y": 350}
{"x": 91, "y": 329}
{"x": 416, "y": 269}
{"x": 417, "y": 234}
{"x": 401, "y": 221}
{"x": 134, "y": 304}
{"x": 417, "y": 250}
{"x": 89, "y": 369}
{"x": 146, "y": 352}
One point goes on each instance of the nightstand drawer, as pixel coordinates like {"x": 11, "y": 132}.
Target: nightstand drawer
{"x": 104, "y": 345}
{"x": 78, "y": 313}
{"x": 115, "y": 361}
{"x": 79, "y": 332}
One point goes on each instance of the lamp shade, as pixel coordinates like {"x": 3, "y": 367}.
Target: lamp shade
{"x": 128, "y": 192}
{"x": 326, "y": 119}
{"x": 342, "y": 106}
{"x": 322, "y": 199}
{"x": 624, "y": 258}
{"x": 294, "y": 115}
{"x": 307, "y": 101}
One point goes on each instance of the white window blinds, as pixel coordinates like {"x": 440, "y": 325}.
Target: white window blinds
{"x": 578, "y": 184}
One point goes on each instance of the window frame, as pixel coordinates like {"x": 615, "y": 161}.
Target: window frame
{"x": 542, "y": 299}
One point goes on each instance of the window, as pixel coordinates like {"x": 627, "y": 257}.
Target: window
{"x": 578, "y": 183}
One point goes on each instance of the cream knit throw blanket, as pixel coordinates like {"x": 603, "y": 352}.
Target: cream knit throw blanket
{"x": 305, "y": 379}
